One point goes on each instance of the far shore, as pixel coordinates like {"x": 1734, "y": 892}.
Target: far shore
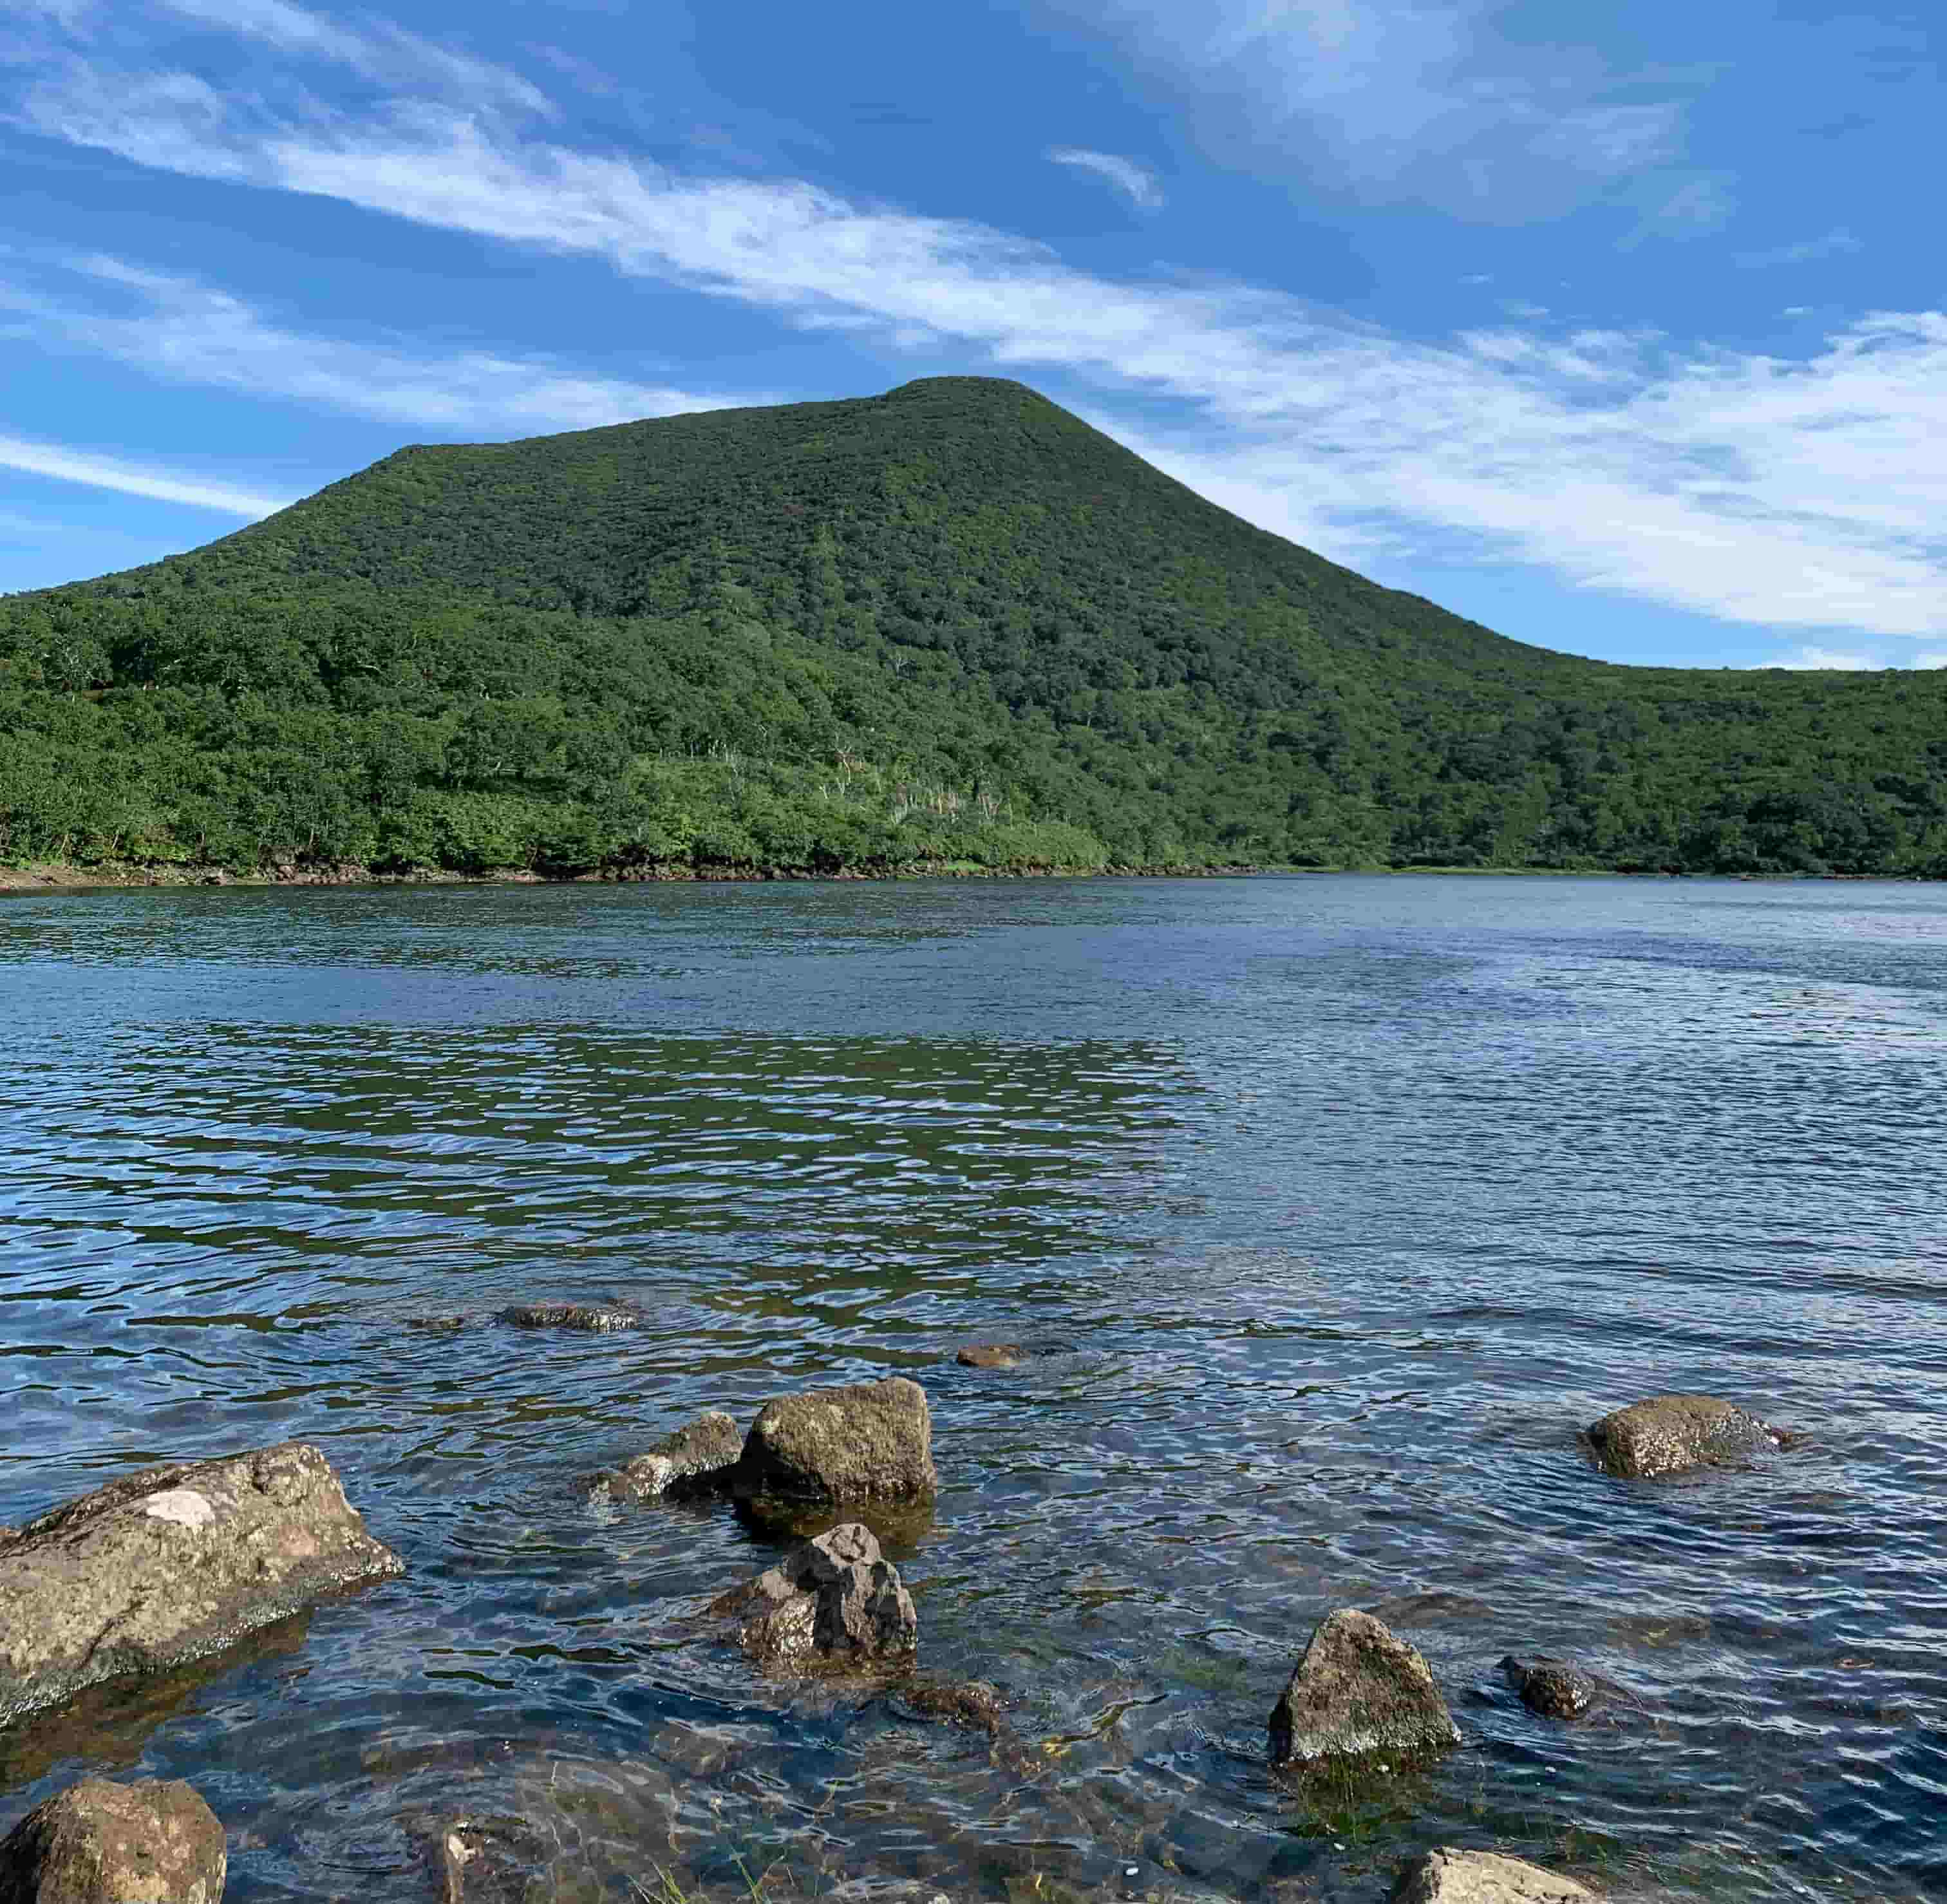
{"x": 118, "y": 875}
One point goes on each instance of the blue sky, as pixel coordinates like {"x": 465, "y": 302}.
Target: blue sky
{"x": 1627, "y": 337}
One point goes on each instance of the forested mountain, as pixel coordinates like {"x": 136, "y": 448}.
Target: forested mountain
{"x": 952, "y": 624}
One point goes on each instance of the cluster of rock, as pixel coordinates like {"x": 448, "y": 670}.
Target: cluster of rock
{"x": 166, "y": 1566}
{"x": 868, "y": 1444}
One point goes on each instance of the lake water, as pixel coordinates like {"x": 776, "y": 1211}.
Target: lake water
{"x": 1337, "y": 1205}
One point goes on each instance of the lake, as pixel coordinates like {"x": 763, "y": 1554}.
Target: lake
{"x": 1334, "y": 1206}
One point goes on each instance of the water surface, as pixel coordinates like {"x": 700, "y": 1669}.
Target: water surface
{"x": 1335, "y": 1205}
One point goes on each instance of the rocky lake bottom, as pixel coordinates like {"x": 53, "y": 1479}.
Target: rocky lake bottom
{"x": 1330, "y": 1210}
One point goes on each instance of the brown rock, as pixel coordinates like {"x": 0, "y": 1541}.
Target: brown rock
{"x": 968, "y": 1702}
{"x": 1359, "y": 1689}
{"x": 869, "y": 1441}
{"x": 170, "y": 1564}
{"x": 835, "y": 1601}
{"x": 992, "y": 1355}
{"x": 155, "y": 1842}
{"x": 1670, "y": 1433}
{"x": 1552, "y": 1687}
{"x": 599, "y": 1318}
{"x": 695, "y": 1459}
{"x": 1450, "y": 1876}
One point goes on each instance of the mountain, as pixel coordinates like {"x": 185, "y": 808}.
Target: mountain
{"x": 950, "y": 625}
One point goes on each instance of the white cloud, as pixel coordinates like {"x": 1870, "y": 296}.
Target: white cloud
{"x": 64, "y": 465}
{"x": 1807, "y": 493}
{"x": 1844, "y": 660}
{"x": 178, "y": 329}
{"x": 381, "y": 52}
{"x": 1419, "y": 100}
{"x": 1931, "y": 657}
{"x": 1138, "y": 181}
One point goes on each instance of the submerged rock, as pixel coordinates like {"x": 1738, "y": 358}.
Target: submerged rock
{"x": 868, "y": 1441}
{"x": 153, "y": 1842}
{"x": 973, "y": 1703}
{"x": 1671, "y": 1434}
{"x": 1359, "y": 1689}
{"x": 836, "y": 1601}
{"x": 600, "y": 1318}
{"x": 1451, "y": 1877}
{"x": 1552, "y": 1687}
{"x": 992, "y": 1355}
{"x": 697, "y": 1459}
{"x": 170, "y": 1564}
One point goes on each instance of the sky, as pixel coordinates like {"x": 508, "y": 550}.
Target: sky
{"x": 1626, "y": 337}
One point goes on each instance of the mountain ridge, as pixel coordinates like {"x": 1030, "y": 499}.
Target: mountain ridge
{"x": 951, "y": 623}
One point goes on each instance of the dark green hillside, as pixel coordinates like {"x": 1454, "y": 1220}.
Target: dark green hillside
{"x": 953, "y": 624}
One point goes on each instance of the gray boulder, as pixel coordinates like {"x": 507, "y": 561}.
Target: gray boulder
{"x": 172, "y": 1564}
{"x": 1671, "y": 1434}
{"x": 868, "y": 1442}
{"x": 834, "y": 1602}
{"x": 1450, "y": 1876}
{"x": 697, "y": 1459}
{"x": 1358, "y": 1690}
{"x": 154, "y": 1842}
{"x": 599, "y": 1318}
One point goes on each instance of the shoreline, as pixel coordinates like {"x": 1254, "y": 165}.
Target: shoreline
{"x": 46, "y": 877}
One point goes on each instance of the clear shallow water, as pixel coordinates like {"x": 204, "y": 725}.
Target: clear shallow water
{"x": 1337, "y": 1203}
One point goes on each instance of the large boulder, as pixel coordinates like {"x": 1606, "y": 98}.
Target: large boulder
{"x": 170, "y": 1564}
{"x": 834, "y": 1602}
{"x": 1358, "y": 1690}
{"x": 154, "y": 1842}
{"x": 868, "y": 1441}
{"x": 1451, "y": 1877}
{"x": 1671, "y": 1434}
{"x": 697, "y": 1459}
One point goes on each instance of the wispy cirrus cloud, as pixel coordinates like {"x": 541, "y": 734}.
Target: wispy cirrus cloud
{"x": 1420, "y": 99}
{"x": 1137, "y": 181}
{"x": 1806, "y": 492}
{"x": 1836, "y": 243}
{"x": 182, "y": 331}
{"x": 377, "y": 50}
{"x": 62, "y": 463}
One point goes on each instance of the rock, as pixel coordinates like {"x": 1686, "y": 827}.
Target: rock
{"x": 1359, "y": 1689}
{"x": 695, "y": 1459}
{"x": 1552, "y": 1687}
{"x": 1670, "y": 1433}
{"x": 154, "y": 1842}
{"x": 456, "y": 1853}
{"x": 869, "y": 1441}
{"x": 968, "y": 1702}
{"x": 1451, "y": 1877}
{"x": 835, "y": 1601}
{"x": 170, "y": 1564}
{"x": 601, "y": 1318}
{"x": 883, "y": 1891}
{"x": 992, "y": 1355}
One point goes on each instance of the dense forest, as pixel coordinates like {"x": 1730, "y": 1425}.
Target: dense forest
{"x": 949, "y": 627}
